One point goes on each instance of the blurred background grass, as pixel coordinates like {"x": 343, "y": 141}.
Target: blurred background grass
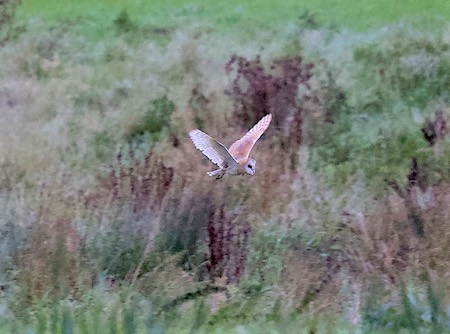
{"x": 359, "y": 16}
{"x": 109, "y": 222}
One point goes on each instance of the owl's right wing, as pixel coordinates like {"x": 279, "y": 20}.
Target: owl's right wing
{"x": 242, "y": 147}
{"x": 210, "y": 147}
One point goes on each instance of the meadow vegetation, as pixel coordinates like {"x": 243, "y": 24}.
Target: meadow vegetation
{"x": 109, "y": 223}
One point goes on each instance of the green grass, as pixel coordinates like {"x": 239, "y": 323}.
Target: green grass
{"x": 86, "y": 78}
{"x": 362, "y": 15}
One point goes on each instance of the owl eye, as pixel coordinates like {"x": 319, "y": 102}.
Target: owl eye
{"x": 249, "y": 166}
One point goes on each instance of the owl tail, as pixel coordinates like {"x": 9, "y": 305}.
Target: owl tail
{"x": 218, "y": 173}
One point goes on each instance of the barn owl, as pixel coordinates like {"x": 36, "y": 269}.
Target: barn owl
{"x": 235, "y": 160}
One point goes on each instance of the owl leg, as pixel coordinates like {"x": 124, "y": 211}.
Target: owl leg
{"x": 218, "y": 173}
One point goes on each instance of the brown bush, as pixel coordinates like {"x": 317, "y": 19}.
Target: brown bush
{"x": 227, "y": 245}
{"x": 256, "y": 92}
{"x": 141, "y": 184}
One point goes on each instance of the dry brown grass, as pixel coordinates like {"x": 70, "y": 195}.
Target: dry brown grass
{"x": 51, "y": 264}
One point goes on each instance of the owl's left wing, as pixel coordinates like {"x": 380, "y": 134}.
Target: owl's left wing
{"x": 210, "y": 147}
{"x": 242, "y": 147}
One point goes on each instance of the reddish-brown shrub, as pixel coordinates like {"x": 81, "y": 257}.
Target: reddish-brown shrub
{"x": 256, "y": 92}
{"x": 142, "y": 184}
{"x": 227, "y": 245}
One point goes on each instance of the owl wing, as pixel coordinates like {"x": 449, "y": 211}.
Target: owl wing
{"x": 242, "y": 147}
{"x": 210, "y": 147}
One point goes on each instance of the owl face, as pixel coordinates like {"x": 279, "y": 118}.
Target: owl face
{"x": 235, "y": 160}
{"x": 250, "y": 166}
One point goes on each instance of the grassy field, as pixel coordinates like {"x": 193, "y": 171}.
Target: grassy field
{"x": 109, "y": 223}
{"x": 359, "y": 16}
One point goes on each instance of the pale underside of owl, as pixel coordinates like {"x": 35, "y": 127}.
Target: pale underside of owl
{"x": 235, "y": 160}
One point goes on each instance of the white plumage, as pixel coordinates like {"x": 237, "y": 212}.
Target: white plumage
{"x": 236, "y": 159}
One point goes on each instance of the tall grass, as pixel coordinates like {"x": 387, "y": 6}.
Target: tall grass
{"x": 110, "y": 221}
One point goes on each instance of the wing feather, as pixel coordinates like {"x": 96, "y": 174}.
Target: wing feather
{"x": 211, "y": 148}
{"x": 242, "y": 147}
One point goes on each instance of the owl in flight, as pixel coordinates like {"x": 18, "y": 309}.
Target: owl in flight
{"x": 235, "y": 160}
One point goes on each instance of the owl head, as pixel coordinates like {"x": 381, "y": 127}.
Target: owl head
{"x": 250, "y": 166}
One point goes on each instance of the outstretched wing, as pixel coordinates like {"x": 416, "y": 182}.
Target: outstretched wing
{"x": 242, "y": 148}
{"x": 210, "y": 147}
